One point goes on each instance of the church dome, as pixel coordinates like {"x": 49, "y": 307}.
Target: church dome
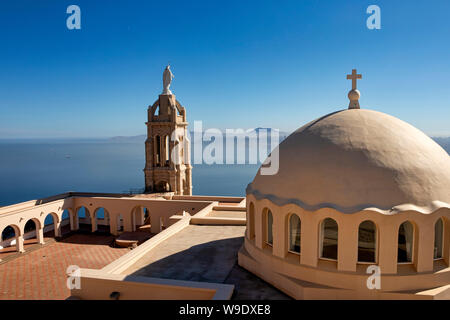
{"x": 358, "y": 159}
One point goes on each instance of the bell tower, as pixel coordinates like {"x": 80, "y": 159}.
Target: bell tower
{"x": 167, "y": 148}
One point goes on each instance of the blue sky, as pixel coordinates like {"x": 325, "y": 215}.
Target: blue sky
{"x": 237, "y": 64}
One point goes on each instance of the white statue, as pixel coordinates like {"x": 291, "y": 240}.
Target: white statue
{"x": 167, "y": 80}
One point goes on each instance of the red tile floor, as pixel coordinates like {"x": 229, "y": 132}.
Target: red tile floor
{"x": 40, "y": 272}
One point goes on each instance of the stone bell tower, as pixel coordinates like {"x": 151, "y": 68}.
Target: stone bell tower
{"x": 167, "y": 148}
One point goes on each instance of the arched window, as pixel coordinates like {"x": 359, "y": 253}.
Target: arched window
{"x": 166, "y": 151}
{"x": 52, "y": 219}
{"x": 294, "y": 233}
{"x": 329, "y": 239}
{"x": 405, "y": 242}
{"x": 438, "y": 238}
{"x": 158, "y": 150}
{"x": 367, "y": 242}
{"x": 251, "y": 221}
{"x": 269, "y": 236}
{"x": 65, "y": 215}
{"x": 10, "y": 232}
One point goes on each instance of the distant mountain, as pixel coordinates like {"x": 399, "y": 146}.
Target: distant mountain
{"x": 141, "y": 138}
{"x": 444, "y": 142}
{"x": 281, "y": 134}
{"x": 128, "y": 139}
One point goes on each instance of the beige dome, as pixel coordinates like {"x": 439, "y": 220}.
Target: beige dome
{"x": 357, "y": 159}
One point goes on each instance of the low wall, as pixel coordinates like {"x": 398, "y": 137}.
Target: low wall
{"x": 18, "y": 206}
{"x": 210, "y": 198}
{"x": 229, "y": 208}
{"x": 160, "y": 210}
{"x": 97, "y": 285}
{"x": 81, "y": 194}
{"x": 219, "y": 221}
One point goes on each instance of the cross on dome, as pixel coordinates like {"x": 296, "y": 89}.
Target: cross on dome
{"x": 354, "y": 94}
{"x": 354, "y": 76}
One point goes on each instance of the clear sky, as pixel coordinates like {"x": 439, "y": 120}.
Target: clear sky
{"x": 237, "y": 64}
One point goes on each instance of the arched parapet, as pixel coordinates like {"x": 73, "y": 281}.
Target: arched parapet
{"x": 65, "y": 213}
{"x": 77, "y": 210}
{"x": 175, "y": 110}
{"x": 37, "y": 223}
{"x": 181, "y": 111}
{"x": 258, "y": 221}
{"x": 55, "y": 217}
{"x": 87, "y": 213}
{"x": 69, "y": 210}
{"x": 102, "y": 216}
{"x": 381, "y": 228}
{"x": 44, "y": 216}
{"x": 54, "y": 220}
{"x": 16, "y": 229}
{"x": 9, "y": 239}
{"x": 152, "y": 110}
{"x": 38, "y": 228}
{"x": 59, "y": 214}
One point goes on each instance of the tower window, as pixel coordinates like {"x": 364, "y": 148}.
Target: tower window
{"x": 405, "y": 242}
{"x": 438, "y": 239}
{"x": 329, "y": 239}
{"x": 158, "y": 151}
{"x": 367, "y": 241}
{"x": 251, "y": 221}
{"x": 294, "y": 233}
{"x": 269, "y": 226}
{"x": 166, "y": 151}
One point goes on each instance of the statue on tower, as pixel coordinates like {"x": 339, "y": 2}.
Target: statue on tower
{"x": 167, "y": 80}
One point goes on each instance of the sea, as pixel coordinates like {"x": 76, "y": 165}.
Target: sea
{"x": 34, "y": 169}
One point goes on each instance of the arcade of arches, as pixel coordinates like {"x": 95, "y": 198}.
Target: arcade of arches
{"x": 107, "y": 214}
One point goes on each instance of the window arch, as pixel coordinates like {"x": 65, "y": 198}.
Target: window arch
{"x": 158, "y": 150}
{"x": 294, "y": 233}
{"x": 329, "y": 239}
{"x": 405, "y": 242}
{"x": 269, "y": 227}
{"x": 9, "y": 232}
{"x": 251, "y": 221}
{"x": 53, "y": 219}
{"x": 166, "y": 151}
{"x": 438, "y": 239}
{"x": 367, "y": 242}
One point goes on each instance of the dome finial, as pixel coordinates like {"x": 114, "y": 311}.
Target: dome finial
{"x": 354, "y": 94}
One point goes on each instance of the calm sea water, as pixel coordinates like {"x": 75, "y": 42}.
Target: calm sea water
{"x": 32, "y": 170}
